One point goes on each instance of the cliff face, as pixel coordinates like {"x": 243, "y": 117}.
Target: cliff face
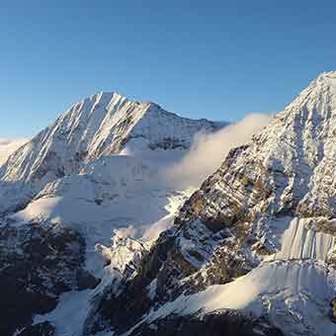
{"x": 267, "y": 213}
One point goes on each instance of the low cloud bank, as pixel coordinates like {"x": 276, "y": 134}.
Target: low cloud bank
{"x": 209, "y": 151}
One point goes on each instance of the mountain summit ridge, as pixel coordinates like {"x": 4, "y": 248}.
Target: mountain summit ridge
{"x": 95, "y": 126}
{"x": 101, "y": 125}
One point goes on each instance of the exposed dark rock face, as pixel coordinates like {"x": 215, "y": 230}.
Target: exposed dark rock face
{"x": 38, "y": 263}
{"x": 40, "y": 329}
{"x": 116, "y": 308}
{"x": 217, "y": 324}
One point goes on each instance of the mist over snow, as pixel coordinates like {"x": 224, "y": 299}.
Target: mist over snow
{"x": 209, "y": 150}
{"x": 8, "y": 146}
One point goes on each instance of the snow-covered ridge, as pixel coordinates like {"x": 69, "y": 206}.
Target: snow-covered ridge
{"x": 96, "y": 126}
{"x": 101, "y": 125}
{"x": 284, "y": 291}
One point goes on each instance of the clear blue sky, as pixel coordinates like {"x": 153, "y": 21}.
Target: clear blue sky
{"x": 214, "y": 59}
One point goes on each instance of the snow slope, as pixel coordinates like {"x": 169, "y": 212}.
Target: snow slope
{"x": 293, "y": 287}
{"x": 111, "y": 200}
{"x": 110, "y": 193}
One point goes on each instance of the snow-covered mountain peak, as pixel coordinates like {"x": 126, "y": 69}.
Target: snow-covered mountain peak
{"x": 104, "y": 124}
{"x": 64, "y": 193}
{"x": 253, "y": 248}
{"x": 326, "y": 76}
{"x": 99, "y": 125}
{"x": 320, "y": 95}
{"x": 324, "y": 79}
{"x": 305, "y": 130}
{"x": 100, "y": 105}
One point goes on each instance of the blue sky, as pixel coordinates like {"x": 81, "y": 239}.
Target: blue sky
{"x": 214, "y": 59}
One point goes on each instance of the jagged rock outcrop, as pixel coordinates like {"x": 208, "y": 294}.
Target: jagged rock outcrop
{"x": 228, "y": 323}
{"x": 38, "y": 262}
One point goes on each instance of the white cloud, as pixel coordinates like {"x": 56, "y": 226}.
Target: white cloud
{"x": 209, "y": 151}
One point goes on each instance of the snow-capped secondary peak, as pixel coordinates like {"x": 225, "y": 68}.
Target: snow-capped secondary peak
{"x": 300, "y": 143}
{"x": 101, "y": 125}
{"x": 92, "y": 175}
